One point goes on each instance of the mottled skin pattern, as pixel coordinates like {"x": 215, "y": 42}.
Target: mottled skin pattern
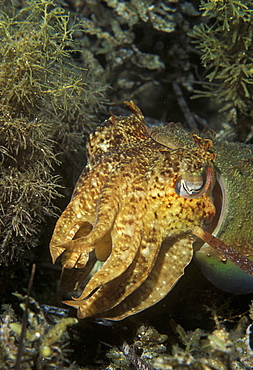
{"x": 126, "y": 212}
{"x": 233, "y": 166}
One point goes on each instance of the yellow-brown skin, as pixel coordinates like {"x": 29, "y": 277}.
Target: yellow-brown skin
{"x": 126, "y": 212}
{"x": 227, "y": 261}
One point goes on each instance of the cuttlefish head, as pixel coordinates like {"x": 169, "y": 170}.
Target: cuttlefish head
{"x": 226, "y": 255}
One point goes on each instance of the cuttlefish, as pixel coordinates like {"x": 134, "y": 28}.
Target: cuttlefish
{"x": 144, "y": 198}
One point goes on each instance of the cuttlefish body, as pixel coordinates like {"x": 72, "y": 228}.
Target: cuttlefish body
{"x": 135, "y": 207}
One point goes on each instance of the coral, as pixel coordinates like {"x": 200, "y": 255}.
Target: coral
{"x": 47, "y": 102}
{"x": 52, "y": 340}
{"x": 225, "y": 40}
{"x": 221, "y": 349}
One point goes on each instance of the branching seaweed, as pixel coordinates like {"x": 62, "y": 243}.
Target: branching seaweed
{"x": 43, "y": 343}
{"x": 225, "y": 40}
{"x": 48, "y": 105}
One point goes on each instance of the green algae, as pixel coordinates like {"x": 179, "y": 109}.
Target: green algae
{"x": 47, "y": 102}
{"x": 225, "y": 40}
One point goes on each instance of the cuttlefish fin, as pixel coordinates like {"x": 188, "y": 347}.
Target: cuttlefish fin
{"x": 229, "y": 269}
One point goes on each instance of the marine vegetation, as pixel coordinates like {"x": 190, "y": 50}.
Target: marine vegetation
{"x": 47, "y": 101}
{"x": 218, "y": 350}
{"x": 136, "y": 207}
{"x": 50, "y": 336}
{"x": 142, "y": 48}
{"x": 225, "y": 40}
{"x": 43, "y": 339}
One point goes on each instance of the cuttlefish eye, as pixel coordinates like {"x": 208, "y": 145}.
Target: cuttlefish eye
{"x": 193, "y": 186}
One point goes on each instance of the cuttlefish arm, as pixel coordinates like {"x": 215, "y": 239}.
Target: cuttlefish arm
{"x": 168, "y": 268}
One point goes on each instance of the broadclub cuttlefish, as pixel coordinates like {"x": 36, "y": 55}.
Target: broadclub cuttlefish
{"x": 144, "y": 197}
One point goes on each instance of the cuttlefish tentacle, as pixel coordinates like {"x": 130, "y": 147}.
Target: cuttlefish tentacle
{"x": 117, "y": 132}
{"x": 101, "y": 218}
{"x": 79, "y": 260}
{"x": 111, "y": 294}
{"x": 113, "y": 133}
